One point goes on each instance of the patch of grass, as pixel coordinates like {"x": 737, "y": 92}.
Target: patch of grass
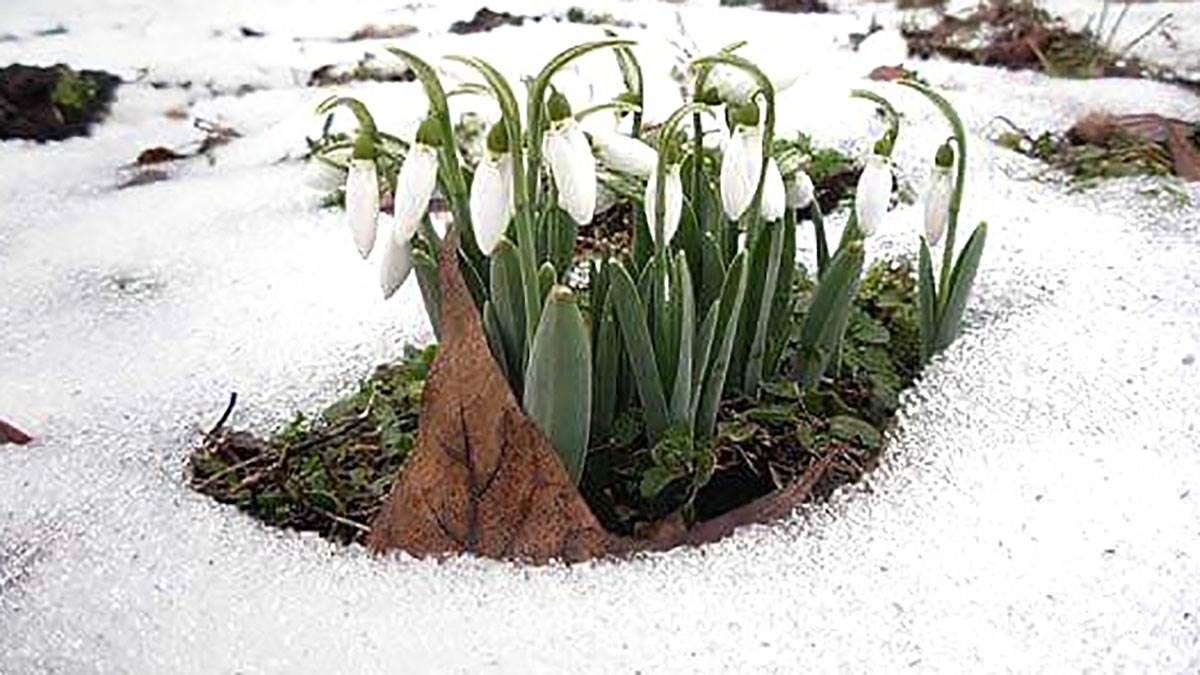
{"x": 329, "y": 472}
{"x": 1089, "y": 158}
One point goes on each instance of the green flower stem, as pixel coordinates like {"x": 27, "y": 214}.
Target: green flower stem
{"x": 960, "y": 139}
{"x": 453, "y": 180}
{"x": 511, "y": 117}
{"x": 892, "y": 117}
{"x": 535, "y": 107}
{"x": 767, "y": 91}
{"x": 666, "y": 156}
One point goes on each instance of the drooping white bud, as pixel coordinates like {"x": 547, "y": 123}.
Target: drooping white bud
{"x": 491, "y": 199}
{"x": 362, "y": 203}
{"x": 774, "y": 195}
{"x": 625, "y": 154}
{"x": 672, "y": 200}
{"x": 937, "y": 204}
{"x": 414, "y": 188}
{"x": 800, "y": 190}
{"x": 873, "y": 193}
{"x": 573, "y": 167}
{"x": 395, "y": 266}
{"x": 740, "y": 169}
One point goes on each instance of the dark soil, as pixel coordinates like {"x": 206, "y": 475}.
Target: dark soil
{"x": 485, "y": 20}
{"x": 800, "y": 6}
{"x": 1020, "y": 35}
{"x": 331, "y": 472}
{"x": 50, "y": 104}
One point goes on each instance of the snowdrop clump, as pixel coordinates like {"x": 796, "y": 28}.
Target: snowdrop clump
{"x": 700, "y": 308}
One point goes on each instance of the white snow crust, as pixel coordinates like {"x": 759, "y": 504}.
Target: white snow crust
{"x": 1038, "y": 509}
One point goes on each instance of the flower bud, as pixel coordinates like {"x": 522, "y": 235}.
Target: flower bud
{"x": 362, "y": 203}
{"x": 800, "y": 190}
{"x": 774, "y": 194}
{"x": 873, "y": 193}
{"x": 741, "y": 166}
{"x": 673, "y": 204}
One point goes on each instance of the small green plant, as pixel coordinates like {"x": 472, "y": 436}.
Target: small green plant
{"x": 699, "y": 312}
{"x": 72, "y": 90}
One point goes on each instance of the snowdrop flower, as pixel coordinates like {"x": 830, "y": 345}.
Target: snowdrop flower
{"x": 362, "y": 202}
{"x": 937, "y": 198}
{"x": 734, "y": 86}
{"x": 741, "y": 165}
{"x": 416, "y": 180}
{"x": 873, "y": 193}
{"x": 414, "y": 188}
{"x": 395, "y": 266}
{"x": 625, "y": 154}
{"x": 492, "y": 190}
{"x": 571, "y": 163}
{"x": 800, "y": 190}
{"x": 673, "y": 194}
{"x": 774, "y": 195}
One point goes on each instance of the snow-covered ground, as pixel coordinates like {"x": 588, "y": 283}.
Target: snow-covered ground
{"x": 1039, "y": 509}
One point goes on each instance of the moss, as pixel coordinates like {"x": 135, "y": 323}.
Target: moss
{"x": 72, "y": 91}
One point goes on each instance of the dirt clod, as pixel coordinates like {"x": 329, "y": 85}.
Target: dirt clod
{"x": 54, "y": 103}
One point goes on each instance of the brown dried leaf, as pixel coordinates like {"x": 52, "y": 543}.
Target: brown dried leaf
{"x": 482, "y": 479}
{"x": 11, "y": 434}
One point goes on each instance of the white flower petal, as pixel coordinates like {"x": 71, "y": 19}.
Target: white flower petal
{"x": 414, "y": 188}
{"x": 800, "y": 190}
{"x": 873, "y": 193}
{"x": 625, "y": 154}
{"x": 740, "y": 169}
{"x": 673, "y": 211}
{"x": 491, "y": 200}
{"x": 395, "y": 266}
{"x": 774, "y": 197}
{"x": 574, "y": 169}
{"x": 937, "y": 204}
{"x": 362, "y": 203}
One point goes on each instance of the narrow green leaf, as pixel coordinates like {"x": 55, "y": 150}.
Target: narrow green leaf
{"x": 508, "y": 299}
{"x": 631, "y": 316}
{"x": 681, "y": 397}
{"x": 780, "y": 327}
{"x": 605, "y": 370}
{"x": 961, "y": 281}
{"x": 758, "y": 345}
{"x": 712, "y": 272}
{"x": 704, "y": 343}
{"x": 825, "y": 323}
{"x": 732, "y": 295}
{"x": 495, "y": 341}
{"x": 546, "y": 277}
{"x": 927, "y": 302}
{"x": 558, "y": 382}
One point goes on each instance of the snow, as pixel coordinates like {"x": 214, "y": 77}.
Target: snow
{"x": 1038, "y": 510}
